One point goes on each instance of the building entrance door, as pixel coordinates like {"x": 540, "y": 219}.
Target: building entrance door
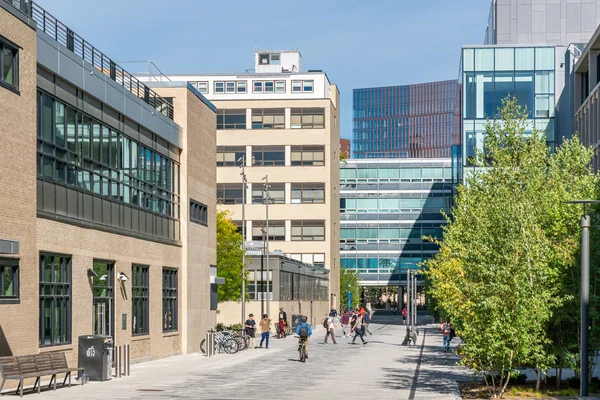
{"x": 103, "y": 292}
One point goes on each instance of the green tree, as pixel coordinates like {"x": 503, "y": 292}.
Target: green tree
{"x": 349, "y": 283}
{"x": 500, "y": 273}
{"x": 230, "y": 256}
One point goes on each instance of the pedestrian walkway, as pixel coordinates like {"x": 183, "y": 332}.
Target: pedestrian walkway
{"x": 383, "y": 368}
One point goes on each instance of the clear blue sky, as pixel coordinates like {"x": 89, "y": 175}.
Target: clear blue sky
{"x": 358, "y": 44}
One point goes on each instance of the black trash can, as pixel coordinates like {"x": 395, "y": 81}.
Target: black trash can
{"x": 296, "y": 320}
{"x": 95, "y": 355}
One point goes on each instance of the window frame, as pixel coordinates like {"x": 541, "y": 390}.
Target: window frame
{"x": 222, "y": 189}
{"x": 10, "y": 264}
{"x": 223, "y": 113}
{"x": 307, "y": 111}
{"x": 230, "y": 150}
{"x": 229, "y": 84}
{"x": 222, "y": 84}
{"x": 140, "y": 292}
{"x": 170, "y": 295}
{"x": 308, "y": 223}
{"x": 258, "y": 224}
{"x": 306, "y": 186}
{"x": 198, "y": 212}
{"x": 205, "y": 84}
{"x": 274, "y": 187}
{"x": 238, "y": 85}
{"x": 68, "y": 268}
{"x": 271, "y": 113}
{"x": 264, "y": 150}
{"x": 299, "y": 85}
{"x": 307, "y": 149}
{"x": 7, "y": 44}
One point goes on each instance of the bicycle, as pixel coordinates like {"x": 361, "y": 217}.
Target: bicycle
{"x": 302, "y": 351}
{"x": 223, "y": 342}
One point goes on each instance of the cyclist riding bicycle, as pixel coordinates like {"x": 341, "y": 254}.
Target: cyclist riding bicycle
{"x": 303, "y": 331}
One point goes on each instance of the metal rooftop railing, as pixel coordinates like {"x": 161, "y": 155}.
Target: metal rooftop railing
{"x": 75, "y": 43}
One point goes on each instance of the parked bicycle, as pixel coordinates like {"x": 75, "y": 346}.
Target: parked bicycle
{"x": 228, "y": 341}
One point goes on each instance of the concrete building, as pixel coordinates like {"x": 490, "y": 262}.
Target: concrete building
{"x": 409, "y": 121}
{"x": 387, "y": 206}
{"x": 107, "y": 222}
{"x": 283, "y": 124}
{"x": 586, "y": 104}
{"x": 537, "y": 22}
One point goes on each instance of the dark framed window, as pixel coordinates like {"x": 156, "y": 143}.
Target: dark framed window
{"x": 9, "y": 280}
{"x": 268, "y": 156}
{"x": 198, "y": 212}
{"x": 103, "y": 297}
{"x": 55, "y": 299}
{"x": 214, "y": 297}
{"x": 308, "y": 155}
{"x": 140, "y": 287}
{"x": 229, "y": 193}
{"x": 230, "y": 156}
{"x": 231, "y": 119}
{"x": 308, "y": 230}
{"x": 170, "y": 300}
{"x": 9, "y": 65}
{"x": 308, "y": 193}
{"x": 268, "y": 118}
{"x": 276, "y": 230}
{"x": 276, "y": 193}
{"x": 307, "y": 118}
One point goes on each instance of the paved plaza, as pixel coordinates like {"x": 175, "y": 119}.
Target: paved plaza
{"x": 382, "y": 369}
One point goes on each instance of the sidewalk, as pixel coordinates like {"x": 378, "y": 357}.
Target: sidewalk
{"x": 380, "y": 369}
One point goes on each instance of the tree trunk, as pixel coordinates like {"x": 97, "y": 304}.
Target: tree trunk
{"x": 539, "y": 379}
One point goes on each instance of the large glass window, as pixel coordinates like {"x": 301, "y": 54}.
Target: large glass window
{"x": 9, "y": 279}
{"x": 524, "y": 59}
{"x": 229, "y": 193}
{"x": 308, "y": 193}
{"x": 170, "y": 298}
{"x": 230, "y": 156}
{"x": 307, "y": 118}
{"x": 102, "y": 289}
{"x": 308, "y": 155}
{"x": 268, "y": 156}
{"x": 9, "y": 66}
{"x": 276, "y": 230}
{"x": 524, "y": 90}
{"x": 140, "y": 286}
{"x": 308, "y": 230}
{"x": 231, "y": 119}
{"x": 55, "y": 300}
{"x": 276, "y": 193}
{"x": 268, "y": 118}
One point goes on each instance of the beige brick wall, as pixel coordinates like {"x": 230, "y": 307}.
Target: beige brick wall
{"x": 18, "y": 327}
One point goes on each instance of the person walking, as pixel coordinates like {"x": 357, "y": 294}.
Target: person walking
{"x": 448, "y": 331}
{"x": 357, "y": 328}
{"x": 250, "y": 327}
{"x": 282, "y": 322}
{"x": 330, "y": 329}
{"x": 345, "y": 321}
{"x": 404, "y": 315}
{"x": 265, "y": 328}
{"x": 367, "y": 318}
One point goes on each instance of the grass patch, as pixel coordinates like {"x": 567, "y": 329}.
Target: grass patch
{"x": 478, "y": 390}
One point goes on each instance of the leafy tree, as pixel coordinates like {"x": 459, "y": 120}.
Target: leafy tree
{"x": 230, "y": 256}
{"x": 500, "y": 273}
{"x": 349, "y": 283}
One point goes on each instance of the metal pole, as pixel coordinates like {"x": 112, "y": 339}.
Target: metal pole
{"x": 262, "y": 280}
{"x": 585, "y": 301}
{"x": 243, "y": 173}
{"x": 266, "y": 188}
{"x": 414, "y": 293}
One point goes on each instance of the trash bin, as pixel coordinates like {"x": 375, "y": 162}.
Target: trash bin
{"x": 296, "y": 320}
{"x": 95, "y": 355}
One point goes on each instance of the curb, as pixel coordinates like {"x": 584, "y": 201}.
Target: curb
{"x": 456, "y": 391}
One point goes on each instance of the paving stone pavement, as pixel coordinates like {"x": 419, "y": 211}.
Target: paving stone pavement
{"x": 381, "y": 369}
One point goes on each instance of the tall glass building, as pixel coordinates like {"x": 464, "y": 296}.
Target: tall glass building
{"x": 411, "y": 121}
{"x": 387, "y": 206}
{"x": 531, "y": 74}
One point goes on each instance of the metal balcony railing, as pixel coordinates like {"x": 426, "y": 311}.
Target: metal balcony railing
{"x": 75, "y": 43}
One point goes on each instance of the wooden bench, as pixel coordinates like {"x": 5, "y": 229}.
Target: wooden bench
{"x": 35, "y": 366}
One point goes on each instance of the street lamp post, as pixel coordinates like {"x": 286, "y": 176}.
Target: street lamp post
{"x": 267, "y": 197}
{"x": 585, "y": 294}
{"x": 244, "y": 187}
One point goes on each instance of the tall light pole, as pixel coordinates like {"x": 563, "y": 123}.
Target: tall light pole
{"x": 267, "y": 198}
{"x": 244, "y": 187}
{"x": 585, "y": 295}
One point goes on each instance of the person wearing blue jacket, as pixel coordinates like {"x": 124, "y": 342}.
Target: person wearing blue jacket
{"x": 304, "y": 331}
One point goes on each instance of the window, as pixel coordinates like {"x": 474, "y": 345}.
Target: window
{"x": 203, "y": 87}
{"x": 102, "y": 293}
{"x": 230, "y": 156}
{"x": 268, "y": 155}
{"x": 276, "y": 193}
{"x": 269, "y": 59}
{"x": 308, "y": 193}
{"x": 231, "y": 119}
{"x": 170, "y": 303}
{"x": 55, "y": 300}
{"x": 241, "y": 86}
{"x": 279, "y": 86}
{"x": 275, "y": 59}
{"x": 198, "y": 213}
{"x": 9, "y": 66}
{"x": 9, "y": 279}
{"x": 308, "y": 230}
{"x": 308, "y": 155}
{"x": 258, "y": 86}
{"x": 269, "y": 86}
{"x": 229, "y": 193}
{"x": 140, "y": 312}
{"x": 306, "y": 86}
{"x": 307, "y": 118}
{"x": 219, "y": 87}
{"x": 276, "y": 230}
{"x": 317, "y": 259}
{"x": 230, "y": 87}
{"x": 268, "y": 118}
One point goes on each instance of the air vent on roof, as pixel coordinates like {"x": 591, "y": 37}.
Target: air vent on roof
{"x": 315, "y": 70}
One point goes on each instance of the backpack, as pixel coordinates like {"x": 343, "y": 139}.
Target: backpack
{"x": 303, "y": 331}
{"x": 325, "y": 323}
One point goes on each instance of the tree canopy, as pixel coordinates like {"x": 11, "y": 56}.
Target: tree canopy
{"x": 230, "y": 258}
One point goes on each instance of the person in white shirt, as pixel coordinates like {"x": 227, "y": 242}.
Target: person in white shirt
{"x": 330, "y": 329}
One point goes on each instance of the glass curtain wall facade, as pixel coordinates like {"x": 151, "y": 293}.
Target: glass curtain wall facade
{"x": 411, "y": 121}
{"x": 386, "y": 207}
{"x": 489, "y": 74}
